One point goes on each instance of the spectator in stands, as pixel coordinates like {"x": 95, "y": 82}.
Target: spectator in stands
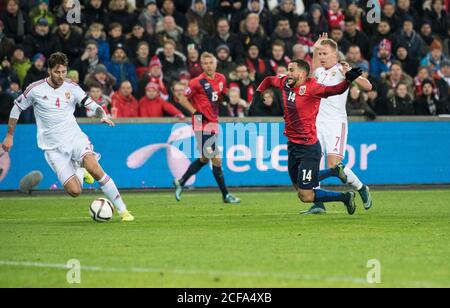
{"x": 121, "y": 68}
{"x": 42, "y": 11}
{"x": 381, "y": 61}
{"x": 252, "y": 32}
{"x": 428, "y": 103}
{"x": 242, "y": 80}
{"x": 383, "y": 33}
{"x": 355, "y": 12}
{"x": 122, "y": 12}
{"x": 224, "y": 64}
{"x": 101, "y": 77}
{"x": 193, "y": 62}
{"x": 337, "y": 34}
{"x": 123, "y": 103}
{"x": 388, "y": 14}
{"x": 95, "y": 12}
{"x": 177, "y": 91}
{"x": 172, "y": 62}
{"x": 96, "y": 93}
{"x": 37, "y": 70}
{"x": 238, "y": 107}
{"x": 444, "y": 72}
{"x": 411, "y": 39}
{"x": 97, "y": 34}
{"x": 277, "y": 58}
{"x": 138, "y": 36}
{"x": 73, "y": 76}
{"x": 268, "y": 106}
{"x": 304, "y": 36}
{"x": 426, "y": 33}
{"x": 65, "y": 10}
{"x": 409, "y": 64}
{"x": 193, "y": 37}
{"x": 357, "y": 104}
{"x": 402, "y": 103}
{"x": 14, "y": 89}
{"x": 150, "y": 16}
{"x": 355, "y": 59}
{"x": 438, "y": 17}
{"x": 41, "y": 40}
{"x": 6, "y": 104}
{"x": 154, "y": 75}
{"x": 200, "y": 14}
{"x": 376, "y": 103}
{"x": 6, "y": 44}
{"x": 403, "y": 11}
{"x": 142, "y": 59}
{"x": 223, "y": 36}
{"x": 153, "y": 106}
{"x": 116, "y": 35}
{"x": 170, "y": 31}
{"x": 286, "y": 10}
{"x": 301, "y": 53}
{"x": 284, "y": 33}
{"x": 317, "y": 21}
{"x": 69, "y": 40}
{"x": 265, "y": 16}
{"x": 20, "y": 64}
{"x": 336, "y": 17}
{"x": 88, "y": 60}
{"x": 390, "y": 81}
{"x": 422, "y": 74}
{"x": 435, "y": 57}
{"x": 356, "y": 37}
{"x": 168, "y": 9}
{"x": 16, "y": 22}
{"x": 256, "y": 66}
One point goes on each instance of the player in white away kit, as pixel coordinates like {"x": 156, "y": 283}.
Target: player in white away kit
{"x": 67, "y": 149}
{"x": 332, "y": 122}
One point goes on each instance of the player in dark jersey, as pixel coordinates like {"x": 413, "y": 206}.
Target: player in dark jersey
{"x": 203, "y": 98}
{"x": 301, "y": 101}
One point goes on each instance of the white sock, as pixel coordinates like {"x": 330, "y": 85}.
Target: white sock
{"x": 80, "y": 175}
{"x": 352, "y": 179}
{"x": 110, "y": 190}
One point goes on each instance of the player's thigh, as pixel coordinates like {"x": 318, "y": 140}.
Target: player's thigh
{"x": 333, "y": 139}
{"x": 207, "y": 145}
{"x": 62, "y": 165}
{"x": 81, "y": 147}
{"x": 294, "y": 157}
{"x": 309, "y": 166}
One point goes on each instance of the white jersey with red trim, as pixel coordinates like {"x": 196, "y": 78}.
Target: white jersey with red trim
{"x": 54, "y": 111}
{"x": 334, "y": 107}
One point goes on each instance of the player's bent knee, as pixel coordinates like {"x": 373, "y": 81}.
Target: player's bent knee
{"x": 306, "y": 196}
{"x": 74, "y": 193}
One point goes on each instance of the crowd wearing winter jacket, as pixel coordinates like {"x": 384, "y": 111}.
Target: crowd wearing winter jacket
{"x": 132, "y": 55}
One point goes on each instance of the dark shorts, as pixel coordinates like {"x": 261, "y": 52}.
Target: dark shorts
{"x": 304, "y": 165}
{"x": 207, "y": 144}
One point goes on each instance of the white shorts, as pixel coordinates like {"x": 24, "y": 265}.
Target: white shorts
{"x": 65, "y": 162}
{"x": 333, "y": 137}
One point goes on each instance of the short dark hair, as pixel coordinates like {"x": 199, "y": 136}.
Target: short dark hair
{"x": 303, "y": 65}
{"x": 58, "y": 58}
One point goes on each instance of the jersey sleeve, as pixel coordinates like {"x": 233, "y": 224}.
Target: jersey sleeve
{"x": 191, "y": 89}
{"x": 80, "y": 96}
{"x": 23, "y": 102}
{"x": 322, "y": 91}
{"x": 271, "y": 82}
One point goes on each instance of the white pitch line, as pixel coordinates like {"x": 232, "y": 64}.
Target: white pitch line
{"x": 287, "y": 276}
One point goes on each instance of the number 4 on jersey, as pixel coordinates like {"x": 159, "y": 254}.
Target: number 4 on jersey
{"x": 58, "y": 104}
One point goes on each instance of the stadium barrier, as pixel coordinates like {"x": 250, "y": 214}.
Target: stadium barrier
{"x": 149, "y": 153}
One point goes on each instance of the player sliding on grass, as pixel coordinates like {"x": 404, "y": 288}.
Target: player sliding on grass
{"x": 332, "y": 123}
{"x": 67, "y": 149}
{"x": 301, "y": 101}
{"x": 206, "y": 93}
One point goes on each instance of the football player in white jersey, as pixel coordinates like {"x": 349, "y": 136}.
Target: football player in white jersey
{"x": 332, "y": 122}
{"x": 67, "y": 149}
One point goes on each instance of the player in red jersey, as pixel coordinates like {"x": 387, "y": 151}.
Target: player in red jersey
{"x": 301, "y": 101}
{"x": 203, "y": 98}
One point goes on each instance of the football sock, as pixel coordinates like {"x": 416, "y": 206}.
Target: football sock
{"x": 195, "y": 167}
{"x": 327, "y": 173}
{"x": 325, "y": 196}
{"x": 352, "y": 179}
{"x": 110, "y": 190}
{"x": 220, "y": 179}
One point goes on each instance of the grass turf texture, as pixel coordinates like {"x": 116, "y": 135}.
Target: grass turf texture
{"x": 202, "y": 243}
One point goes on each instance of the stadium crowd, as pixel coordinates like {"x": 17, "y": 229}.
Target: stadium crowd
{"x": 136, "y": 57}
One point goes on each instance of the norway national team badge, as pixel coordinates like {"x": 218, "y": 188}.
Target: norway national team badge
{"x": 221, "y": 86}
{"x": 302, "y": 90}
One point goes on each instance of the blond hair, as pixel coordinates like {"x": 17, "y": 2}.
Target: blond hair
{"x": 330, "y": 43}
{"x": 207, "y": 55}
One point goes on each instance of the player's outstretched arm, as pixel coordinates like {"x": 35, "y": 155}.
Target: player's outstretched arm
{"x": 9, "y": 139}
{"x": 101, "y": 114}
{"x": 350, "y": 76}
{"x": 362, "y": 82}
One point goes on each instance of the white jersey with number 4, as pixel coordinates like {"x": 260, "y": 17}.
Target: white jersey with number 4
{"x": 54, "y": 111}
{"x": 332, "y": 122}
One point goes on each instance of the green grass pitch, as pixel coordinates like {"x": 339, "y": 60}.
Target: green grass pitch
{"x": 202, "y": 243}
